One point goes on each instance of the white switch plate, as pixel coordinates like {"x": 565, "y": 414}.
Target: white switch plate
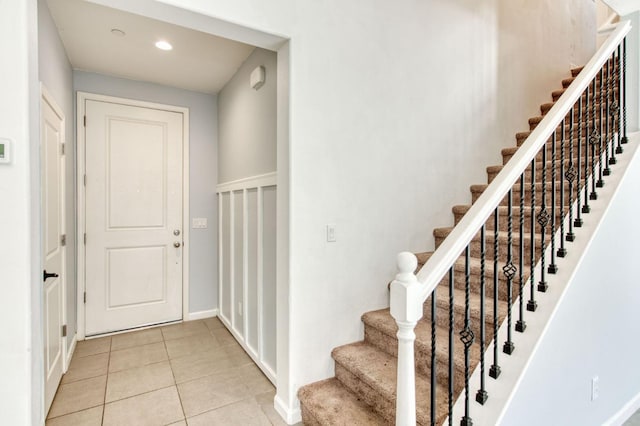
{"x": 199, "y": 222}
{"x": 595, "y": 388}
{"x": 331, "y": 233}
{"x": 5, "y": 151}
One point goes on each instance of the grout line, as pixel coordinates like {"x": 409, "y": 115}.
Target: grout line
{"x": 175, "y": 383}
{"x": 106, "y": 382}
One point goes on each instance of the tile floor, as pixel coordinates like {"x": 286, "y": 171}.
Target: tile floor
{"x": 191, "y": 373}
{"x": 633, "y": 420}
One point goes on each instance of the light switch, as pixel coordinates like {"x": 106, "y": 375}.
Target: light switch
{"x": 199, "y": 223}
{"x": 331, "y": 233}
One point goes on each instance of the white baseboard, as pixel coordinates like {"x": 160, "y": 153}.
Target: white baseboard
{"x": 291, "y": 416}
{"x": 625, "y": 412}
{"x": 192, "y": 316}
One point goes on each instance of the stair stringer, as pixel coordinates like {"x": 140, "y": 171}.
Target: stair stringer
{"x": 515, "y": 366}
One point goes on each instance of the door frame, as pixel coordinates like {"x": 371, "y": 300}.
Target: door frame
{"x": 45, "y": 96}
{"x": 81, "y": 200}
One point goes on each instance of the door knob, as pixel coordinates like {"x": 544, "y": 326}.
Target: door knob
{"x": 46, "y": 275}
{"x": 176, "y": 232}
{"x": 176, "y": 244}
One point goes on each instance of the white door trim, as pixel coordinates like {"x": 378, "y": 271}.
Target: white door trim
{"x": 81, "y": 223}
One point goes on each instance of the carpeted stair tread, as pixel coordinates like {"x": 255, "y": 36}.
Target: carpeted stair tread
{"x": 328, "y": 402}
{"x": 474, "y": 278}
{"x": 478, "y": 190}
{"x": 383, "y": 321}
{"x": 460, "y": 210}
{"x": 381, "y": 329}
{"x": 567, "y": 81}
{"x": 492, "y": 171}
{"x": 546, "y": 107}
{"x": 446, "y": 230}
{"x": 377, "y": 370}
{"x": 534, "y": 121}
{"x": 442, "y": 307}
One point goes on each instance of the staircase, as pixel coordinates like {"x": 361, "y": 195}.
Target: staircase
{"x": 482, "y": 296}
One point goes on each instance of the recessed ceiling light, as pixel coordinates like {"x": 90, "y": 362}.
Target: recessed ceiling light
{"x": 164, "y": 45}
{"x": 117, "y": 32}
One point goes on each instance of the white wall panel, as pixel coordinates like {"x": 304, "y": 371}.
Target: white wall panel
{"x": 251, "y": 316}
{"x": 225, "y": 255}
{"x": 248, "y": 259}
{"x": 269, "y": 277}
{"x": 238, "y": 261}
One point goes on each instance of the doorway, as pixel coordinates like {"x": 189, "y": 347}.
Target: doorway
{"x": 53, "y": 244}
{"x": 133, "y": 205}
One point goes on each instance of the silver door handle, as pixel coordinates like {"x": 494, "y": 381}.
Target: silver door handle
{"x": 176, "y": 244}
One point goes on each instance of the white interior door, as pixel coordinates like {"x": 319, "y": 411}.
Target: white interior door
{"x": 134, "y": 221}
{"x": 52, "y": 169}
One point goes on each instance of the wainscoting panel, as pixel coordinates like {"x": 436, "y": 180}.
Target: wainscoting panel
{"x": 247, "y": 278}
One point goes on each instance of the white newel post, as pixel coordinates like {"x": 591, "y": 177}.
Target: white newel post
{"x": 406, "y": 309}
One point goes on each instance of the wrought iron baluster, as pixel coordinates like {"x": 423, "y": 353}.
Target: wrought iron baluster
{"x": 451, "y": 343}
{"x": 494, "y": 370}
{"x": 433, "y": 358}
{"x": 543, "y": 220}
{"x": 611, "y": 143}
{"x": 466, "y": 337}
{"x": 570, "y": 175}
{"x": 509, "y": 271}
{"x": 553, "y": 268}
{"x": 616, "y": 105}
{"x": 532, "y": 305}
{"x": 582, "y": 123}
{"x": 521, "y": 325}
{"x": 482, "y": 395}
{"x": 601, "y": 170}
{"x": 604, "y": 117}
{"x": 623, "y": 93}
{"x": 593, "y": 141}
{"x": 586, "y": 208}
{"x": 562, "y": 251}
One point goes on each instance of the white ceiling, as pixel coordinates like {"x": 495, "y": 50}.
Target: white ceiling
{"x": 200, "y": 62}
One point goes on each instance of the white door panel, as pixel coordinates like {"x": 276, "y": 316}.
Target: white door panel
{"x": 52, "y": 125}
{"x": 133, "y": 210}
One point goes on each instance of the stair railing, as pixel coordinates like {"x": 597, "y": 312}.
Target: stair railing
{"x": 589, "y": 117}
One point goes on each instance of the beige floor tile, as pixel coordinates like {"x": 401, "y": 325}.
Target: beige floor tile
{"x": 265, "y": 401}
{"x": 242, "y": 413}
{"x": 90, "y": 417}
{"x": 180, "y": 423}
{"x": 211, "y": 392}
{"x": 200, "y": 364}
{"x": 265, "y": 398}
{"x": 77, "y": 396}
{"x": 86, "y": 367}
{"x": 160, "y": 407}
{"x": 255, "y": 379}
{"x": 136, "y": 338}
{"x": 273, "y": 415}
{"x": 213, "y": 323}
{"x": 223, "y": 336}
{"x": 237, "y": 354}
{"x": 192, "y": 344}
{"x": 184, "y": 329}
{"x": 134, "y": 381}
{"x": 92, "y": 347}
{"x": 137, "y": 356}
